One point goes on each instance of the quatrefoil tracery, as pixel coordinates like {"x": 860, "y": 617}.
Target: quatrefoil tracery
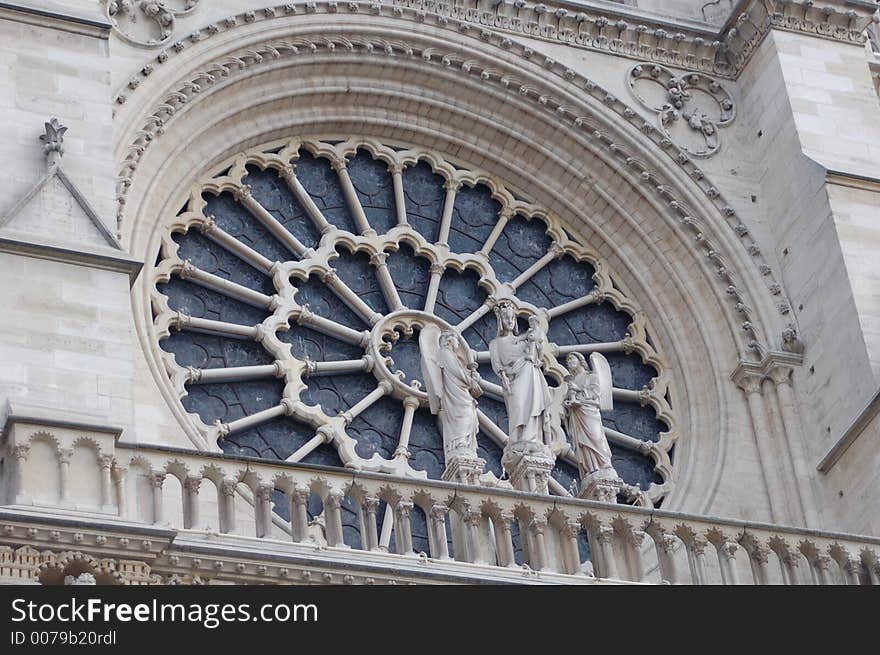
{"x": 690, "y": 107}
{"x": 373, "y": 315}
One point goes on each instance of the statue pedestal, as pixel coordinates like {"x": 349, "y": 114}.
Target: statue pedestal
{"x": 464, "y": 469}
{"x": 601, "y": 485}
{"x": 529, "y": 465}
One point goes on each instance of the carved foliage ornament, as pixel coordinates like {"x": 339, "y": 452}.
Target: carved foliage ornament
{"x": 690, "y": 107}
{"x": 146, "y": 22}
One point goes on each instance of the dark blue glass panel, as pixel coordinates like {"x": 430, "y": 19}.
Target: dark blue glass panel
{"x": 634, "y": 420}
{"x": 274, "y": 194}
{"x": 375, "y": 190}
{"x": 560, "y": 281}
{"x": 228, "y": 402}
{"x": 407, "y": 358}
{"x": 628, "y": 371}
{"x": 521, "y": 244}
{"x": 584, "y": 546}
{"x": 325, "y": 454}
{"x": 491, "y": 452}
{"x": 337, "y": 393}
{"x": 517, "y": 543}
{"x": 355, "y": 270}
{"x": 211, "y": 258}
{"x": 474, "y": 214}
{"x": 633, "y": 467}
{"x": 351, "y": 522}
{"x": 275, "y": 439}
{"x": 280, "y": 504}
{"x": 425, "y": 197}
{"x": 377, "y": 429}
{"x": 323, "y": 302}
{"x": 306, "y": 343}
{"x": 206, "y": 351}
{"x": 322, "y": 184}
{"x": 591, "y": 324}
{"x": 240, "y": 223}
{"x": 566, "y": 474}
{"x": 419, "y": 528}
{"x": 459, "y": 295}
{"x": 411, "y": 275}
{"x": 189, "y": 298}
{"x": 426, "y": 445}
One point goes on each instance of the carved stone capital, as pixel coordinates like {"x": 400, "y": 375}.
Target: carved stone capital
{"x": 228, "y": 486}
{"x": 379, "y": 259}
{"x": 243, "y": 193}
{"x": 192, "y": 484}
{"x": 439, "y": 512}
{"x": 370, "y": 504}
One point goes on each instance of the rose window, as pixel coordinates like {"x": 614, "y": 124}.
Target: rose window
{"x": 291, "y": 290}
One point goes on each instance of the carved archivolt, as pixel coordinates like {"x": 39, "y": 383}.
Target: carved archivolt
{"x": 313, "y": 296}
{"x": 690, "y": 107}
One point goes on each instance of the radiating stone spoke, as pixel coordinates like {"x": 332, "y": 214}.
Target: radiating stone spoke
{"x": 253, "y": 420}
{"x": 366, "y": 402}
{"x": 556, "y": 251}
{"x": 496, "y": 232}
{"x": 340, "y": 367}
{"x": 492, "y": 390}
{"x": 223, "y": 286}
{"x": 331, "y": 328}
{"x": 473, "y": 318}
{"x": 234, "y": 373}
{"x": 594, "y": 297}
{"x": 436, "y": 271}
{"x": 351, "y": 198}
{"x": 631, "y": 443}
{"x": 347, "y": 295}
{"x": 209, "y": 228}
{"x": 623, "y": 345}
{"x": 410, "y": 404}
{"x": 219, "y": 328}
{"x": 396, "y": 171}
{"x": 389, "y": 290}
{"x": 309, "y": 446}
{"x": 305, "y": 200}
{"x": 452, "y": 188}
{"x": 294, "y": 245}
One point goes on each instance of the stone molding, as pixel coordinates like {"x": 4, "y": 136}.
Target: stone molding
{"x": 623, "y": 31}
{"x": 329, "y": 45}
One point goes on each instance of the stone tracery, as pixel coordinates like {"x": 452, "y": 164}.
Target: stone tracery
{"x": 319, "y": 361}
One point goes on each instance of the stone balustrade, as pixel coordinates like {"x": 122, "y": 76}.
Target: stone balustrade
{"x": 391, "y": 520}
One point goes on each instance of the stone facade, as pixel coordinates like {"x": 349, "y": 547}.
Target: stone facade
{"x": 714, "y": 161}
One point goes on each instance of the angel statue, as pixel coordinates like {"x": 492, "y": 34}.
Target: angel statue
{"x": 453, "y": 384}
{"x": 588, "y": 392}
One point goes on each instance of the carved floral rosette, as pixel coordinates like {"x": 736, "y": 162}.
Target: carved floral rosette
{"x": 146, "y": 23}
{"x": 690, "y": 107}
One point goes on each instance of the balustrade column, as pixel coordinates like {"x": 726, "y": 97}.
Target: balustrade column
{"x": 538, "y": 527}
{"x": 790, "y": 563}
{"x": 299, "y": 516}
{"x": 191, "y": 487}
{"x": 759, "y": 557}
{"x": 106, "y": 463}
{"x": 634, "y": 540}
{"x": 471, "y": 521}
{"x": 605, "y": 537}
{"x": 727, "y": 561}
{"x": 820, "y": 565}
{"x": 369, "y": 506}
{"x": 571, "y": 553}
{"x": 504, "y": 539}
{"x": 157, "y": 479}
{"x": 852, "y": 567}
{"x": 403, "y": 533}
{"x": 696, "y": 552}
{"x": 64, "y": 456}
{"x": 665, "y": 544}
{"x": 438, "y": 527}
{"x": 333, "y": 517}
{"x": 263, "y": 509}
{"x": 227, "y": 504}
